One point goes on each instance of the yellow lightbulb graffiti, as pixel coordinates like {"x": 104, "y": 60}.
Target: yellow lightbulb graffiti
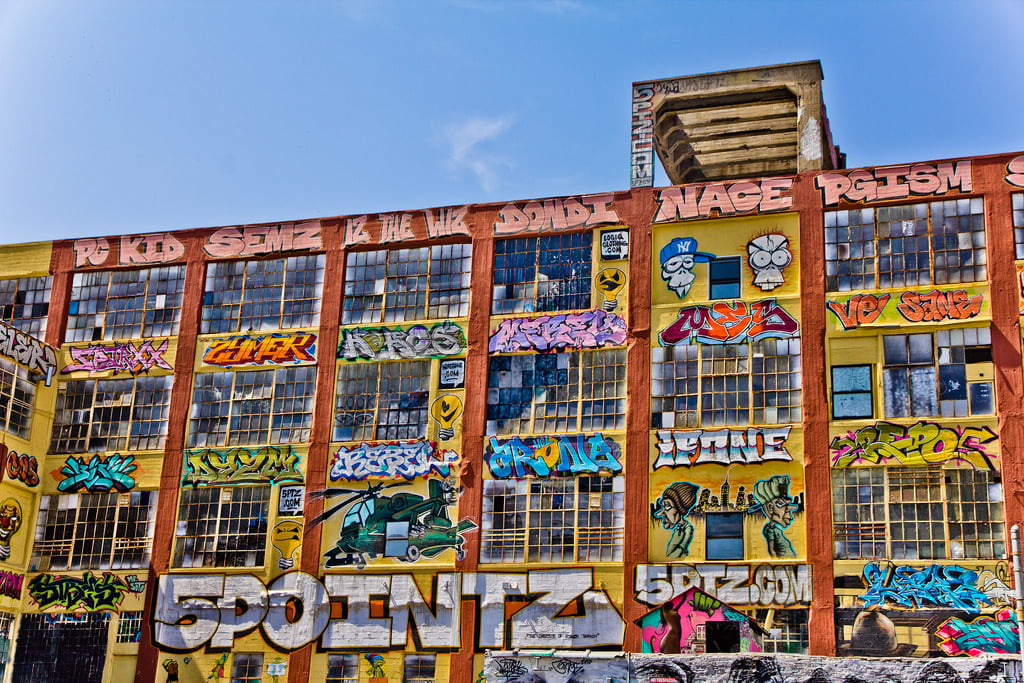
{"x": 286, "y": 537}
{"x": 610, "y": 281}
{"x": 446, "y": 410}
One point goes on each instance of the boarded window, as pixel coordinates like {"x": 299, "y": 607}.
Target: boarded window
{"x": 852, "y": 395}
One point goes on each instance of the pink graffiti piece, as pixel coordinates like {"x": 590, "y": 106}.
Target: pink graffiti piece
{"x": 730, "y": 323}
{"x": 126, "y": 357}
{"x": 982, "y": 636}
{"x": 588, "y": 330}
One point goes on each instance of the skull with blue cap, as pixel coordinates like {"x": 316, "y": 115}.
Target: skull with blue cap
{"x": 677, "y": 260}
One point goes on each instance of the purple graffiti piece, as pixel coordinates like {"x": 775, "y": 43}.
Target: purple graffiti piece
{"x": 588, "y": 330}
{"x": 725, "y": 323}
{"x": 118, "y": 357}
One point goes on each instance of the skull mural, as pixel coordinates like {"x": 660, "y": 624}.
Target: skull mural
{"x": 10, "y": 522}
{"x": 677, "y": 260}
{"x": 767, "y": 256}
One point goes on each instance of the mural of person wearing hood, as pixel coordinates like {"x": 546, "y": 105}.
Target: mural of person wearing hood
{"x": 773, "y": 501}
{"x": 671, "y": 509}
{"x": 677, "y": 260}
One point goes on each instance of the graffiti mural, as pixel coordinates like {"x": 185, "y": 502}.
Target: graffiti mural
{"x": 688, "y": 448}
{"x": 87, "y": 593}
{"x": 680, "y": 625}
{"x": 610, "y": 282}
{"x": 727, "y": 199}
{"x": 119, "y": 357}
{"x": 286, "y": 537}
{"x": 193, "y": 611}
{"x": 10, "y": 584}
{"x": 274, "y": 349}
{"x": 408, "y": 459}
{"x": 26, "y": 350}
{"x": 588, "y": 330}
{"x": 446, "y": 410}
{"x": 641, "y": 159}
{"x": 893, "y": 182}
{"x": 254, "y": 240}
{"x": 913, "y": 307}
{"x": 768, "y": 255}
{"x": 922, "y": 443}
{"x": 730, "y": 323}
{"x": 766, "y": 585}
{"x": 403, "y": 525}
{"x": 545, "y": 456}
{"x": 132, "y": 250}
{"x": 222, "y": 467}
{"x": 11, "y": 518}
{"x": 19, "y": 467}
{"x": 375, "y": 666}
{"x": 678, "y": 258}
{"x": 98, "y": 475}
{"x": 395, "y": 227}
{"x": 418, "y": 341}
{"x": 671, "y": 509}
{"x": 984, "y": 635}
{"x": 555, "y": 214}
{"x": 447, "y": 222}
{"x": 772, "y": 499}
{"x": 936, "y": 585}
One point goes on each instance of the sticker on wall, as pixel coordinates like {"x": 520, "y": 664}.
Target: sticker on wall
{"x": 587, "y": 330}
{"x": 544, "y": 456}
{"x": 768, "y": 255}
{"x": 290, "y": 500}
{"x": 922, "y": 443}
{"x": 730, "y": 323}
{"x": 446, "y": 410}
{"x": 614, "y": 245}
{"x": 118, "y": 357}
{"x": 453, "y": 374}
{"x": 286, "y": 537}
{"x": 99, "y": 474}
{"x": 678, "y": 258}
{"x": 418, "y": 341}
{"x": 10, "y": 522}
{"x": 270, "y": 349}
{"x": 610, "y": 282}
{"x": 402, "y": 525}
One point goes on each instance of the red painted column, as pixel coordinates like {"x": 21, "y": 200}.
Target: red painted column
{"x": 817, "y": 479}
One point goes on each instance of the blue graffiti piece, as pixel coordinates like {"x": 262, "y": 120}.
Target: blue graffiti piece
{"x": 983, "y": 635}
{"x": 535, "y": 456}
{"x": 916, "y": 587}
{"x": 98, "y": 475}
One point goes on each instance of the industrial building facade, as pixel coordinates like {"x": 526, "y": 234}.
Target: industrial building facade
{"x": 772, "y": 414}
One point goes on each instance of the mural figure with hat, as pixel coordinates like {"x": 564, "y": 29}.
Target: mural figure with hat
{"x": 671, "y": 509}
{"x": 773, "y": 501}
{"x": 677, "y": 260}
{"x": 874, "y": 635}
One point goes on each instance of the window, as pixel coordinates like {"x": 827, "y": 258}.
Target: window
{"x": 25, "y": 303}
{"x": 553, "y": 520}
{"x": 407, "y": 284}
{"x": 222, "y": 527}
{"x": 948, "y": 374}
{"x": 1018, "y": 223}
{"x": 724, "y": 535}
{"x": 382, "y": 401}
{"x": 123, "y": 304}
{"x": 905, "y": 246}
{"x": 549, "y": 273}
{"x": 556, "y": 392}
{"x": 721, "y": 636}
{"x": 917, "y": 513}
{"x": 851, "y": 392}
{"x": 247, "y": 668}
{"x": 61, "y": 647}
{"x": 129, "y": 627}
{"x": 698, "y": 385}
{"x": 342, "y": 669}
{"x": 725, "y": 277}
{"x": 418, "y": 669}
{"x": 788, "y": 628}
{"x": 94, "y": 531}
{"x": 6, "y": 631}
{"x": 111, "y": 415}
{"x": 17, "y": 393}
{"x": 266, "y": 294}
{"x": 252, "y": 407}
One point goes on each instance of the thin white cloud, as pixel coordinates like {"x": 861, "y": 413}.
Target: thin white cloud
{"x": 464, "y": 140}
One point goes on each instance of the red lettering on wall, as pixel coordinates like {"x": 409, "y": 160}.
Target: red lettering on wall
{"x": 935, "y": 305}
{"x": 861, "y": 309}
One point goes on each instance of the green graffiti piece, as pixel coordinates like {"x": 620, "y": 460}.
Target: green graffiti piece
{"x": 89, "y": 593}
{"x": 220, "y": 467}
{"x": 923, "y": 443}
{"x": 98, "y": 475}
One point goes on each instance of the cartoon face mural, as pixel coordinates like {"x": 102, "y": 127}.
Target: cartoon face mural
{"x": 774, "y": 502}
{"x": 671, "y": 509}
{"x": 767, "y": 256}
{"x": 403, "y": 525}
{"x": 286, "y": 537}
{"x": 677, "y": 260}
{"x": 10, "y": 522}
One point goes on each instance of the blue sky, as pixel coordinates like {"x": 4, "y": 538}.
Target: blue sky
{"x": 141, "y": 115}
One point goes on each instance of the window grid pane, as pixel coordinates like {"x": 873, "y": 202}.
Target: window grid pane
{"x": 549, "y": 273}
{"x": 222, "y": 527}
{"x": 247, "y": 668}
{"x": 17, "y": 394}
{"x": 25, "y": 303}
{"x": 342, "y": 669}
{"x": 419, "y": 669}
{"x": 382, "y": 401}
{"x": 111, "y": 415}
{"x": 124, "y": 304}
{"x": 264, "y": 294}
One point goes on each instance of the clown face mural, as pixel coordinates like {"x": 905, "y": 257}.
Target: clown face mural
{"x": 767, "y": 256}
{"x": 10, "y": 522}
{"x": 677, "y": 260}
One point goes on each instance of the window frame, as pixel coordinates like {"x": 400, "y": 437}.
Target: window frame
{"x": 731, "y": 282}
{"x": 17, "y": 398}
{"x": 28, "y": 290}
{"x": 420, "y": 664}
{"x": 154, "y": 305}
{"x": 225, "y": 529}
{"x": 859, "y": 392}
{"x": 520, "y": 262}
{"x": 713, "y": 534}
{"x": 408, "y": 383}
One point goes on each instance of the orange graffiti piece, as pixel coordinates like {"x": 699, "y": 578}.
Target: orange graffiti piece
{"x": 935, "y": 305}
{"x": 862, "y": 309}
{"x": 274, "y": 349}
